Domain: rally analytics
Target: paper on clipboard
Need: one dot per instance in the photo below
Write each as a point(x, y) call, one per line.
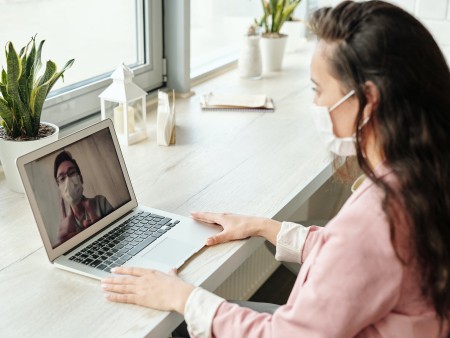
point(237, 102)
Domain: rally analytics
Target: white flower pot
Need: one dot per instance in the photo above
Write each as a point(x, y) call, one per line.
point(272, 52)
point(11, 150)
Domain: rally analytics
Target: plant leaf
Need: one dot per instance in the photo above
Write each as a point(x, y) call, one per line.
point(38, 96)
point(6, 114)
point(18, 108)
point(272, 13)
point(278, 11)
point(36, 65)
point(278, 16)
point(60, 74)
point(27, 124)
point(50, 71)
point(13, 67)
point(3, 85)
point(22, 51)
point(37, 61)
point(42, 91)
point(263, 22)
point(3, 91)
point(287, 12)
point(23, 80)
point(30, 58)
point(4, 77)
point(24, 95)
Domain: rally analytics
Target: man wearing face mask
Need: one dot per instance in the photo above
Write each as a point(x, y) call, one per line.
point(82, 211)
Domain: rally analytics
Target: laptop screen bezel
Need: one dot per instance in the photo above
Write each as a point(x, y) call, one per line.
point(22, 161)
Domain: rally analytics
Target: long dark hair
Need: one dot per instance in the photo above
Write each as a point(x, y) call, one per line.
point(379, 42)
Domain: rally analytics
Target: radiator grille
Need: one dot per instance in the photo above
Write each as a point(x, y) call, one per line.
point(247, 279)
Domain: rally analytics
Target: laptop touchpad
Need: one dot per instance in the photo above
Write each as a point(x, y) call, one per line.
point(170, 252)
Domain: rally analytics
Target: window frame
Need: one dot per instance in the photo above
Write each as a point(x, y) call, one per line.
point(80, 100)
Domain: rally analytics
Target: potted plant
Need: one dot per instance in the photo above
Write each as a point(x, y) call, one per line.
point(273, 43)
point(23, 93)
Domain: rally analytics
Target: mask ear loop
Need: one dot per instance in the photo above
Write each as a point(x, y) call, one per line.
point(360, 127)
point(365, 121)
point(334, 106)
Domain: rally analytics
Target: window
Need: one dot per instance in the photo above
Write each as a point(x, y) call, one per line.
point(216, 31)
point(99, 35)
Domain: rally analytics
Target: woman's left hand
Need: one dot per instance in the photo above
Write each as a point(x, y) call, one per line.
point(150, 288)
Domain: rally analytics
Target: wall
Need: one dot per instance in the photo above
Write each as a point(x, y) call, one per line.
point(435, 15)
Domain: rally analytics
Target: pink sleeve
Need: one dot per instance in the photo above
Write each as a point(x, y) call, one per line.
point(315, 235)
point(350, 280)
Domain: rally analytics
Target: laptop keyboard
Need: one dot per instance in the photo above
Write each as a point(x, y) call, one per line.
point(125, 241)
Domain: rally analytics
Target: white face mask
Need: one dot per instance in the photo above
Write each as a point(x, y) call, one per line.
point(71, 189)
point(341, 146)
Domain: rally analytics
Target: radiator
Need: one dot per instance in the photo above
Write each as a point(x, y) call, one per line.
point(248, 278)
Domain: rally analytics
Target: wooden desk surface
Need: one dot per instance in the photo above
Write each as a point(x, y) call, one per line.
point(253, 163)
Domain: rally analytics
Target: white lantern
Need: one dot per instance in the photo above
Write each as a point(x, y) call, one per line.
point(124, 103)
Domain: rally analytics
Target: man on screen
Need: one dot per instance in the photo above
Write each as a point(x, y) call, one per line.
point(83, 211)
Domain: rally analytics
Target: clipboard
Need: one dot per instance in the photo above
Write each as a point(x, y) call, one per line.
point(246, 103)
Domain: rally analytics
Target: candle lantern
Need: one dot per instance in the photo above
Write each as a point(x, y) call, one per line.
point(124, 103)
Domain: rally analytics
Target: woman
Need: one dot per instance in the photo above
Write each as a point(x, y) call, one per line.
point(380, 268)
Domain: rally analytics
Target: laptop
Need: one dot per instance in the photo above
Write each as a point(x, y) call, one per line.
point(87, 214)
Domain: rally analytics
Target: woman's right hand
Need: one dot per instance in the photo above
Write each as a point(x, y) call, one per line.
point(238, 226)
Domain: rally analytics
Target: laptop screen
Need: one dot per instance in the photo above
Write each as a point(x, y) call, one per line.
point(77, 185)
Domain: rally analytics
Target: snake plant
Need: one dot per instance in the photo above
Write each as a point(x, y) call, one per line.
point(276, 12)
point(24, 91)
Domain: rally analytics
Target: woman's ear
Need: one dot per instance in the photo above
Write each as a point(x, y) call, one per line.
point(373, 98)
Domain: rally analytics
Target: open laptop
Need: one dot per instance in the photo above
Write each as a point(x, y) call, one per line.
point(87, 213)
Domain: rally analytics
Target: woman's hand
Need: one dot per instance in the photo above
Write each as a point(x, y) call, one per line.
point(238, 226)
point(150, 288)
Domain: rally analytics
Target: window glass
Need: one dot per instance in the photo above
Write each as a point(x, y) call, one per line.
point(217, 28)
point(98, 34)
point(216, 31)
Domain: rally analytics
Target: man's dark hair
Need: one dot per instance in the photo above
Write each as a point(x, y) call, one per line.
point(63, 157)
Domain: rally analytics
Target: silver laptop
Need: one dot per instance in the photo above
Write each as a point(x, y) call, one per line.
point(87, 213)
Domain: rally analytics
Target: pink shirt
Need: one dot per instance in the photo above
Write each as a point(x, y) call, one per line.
point(351, 284)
